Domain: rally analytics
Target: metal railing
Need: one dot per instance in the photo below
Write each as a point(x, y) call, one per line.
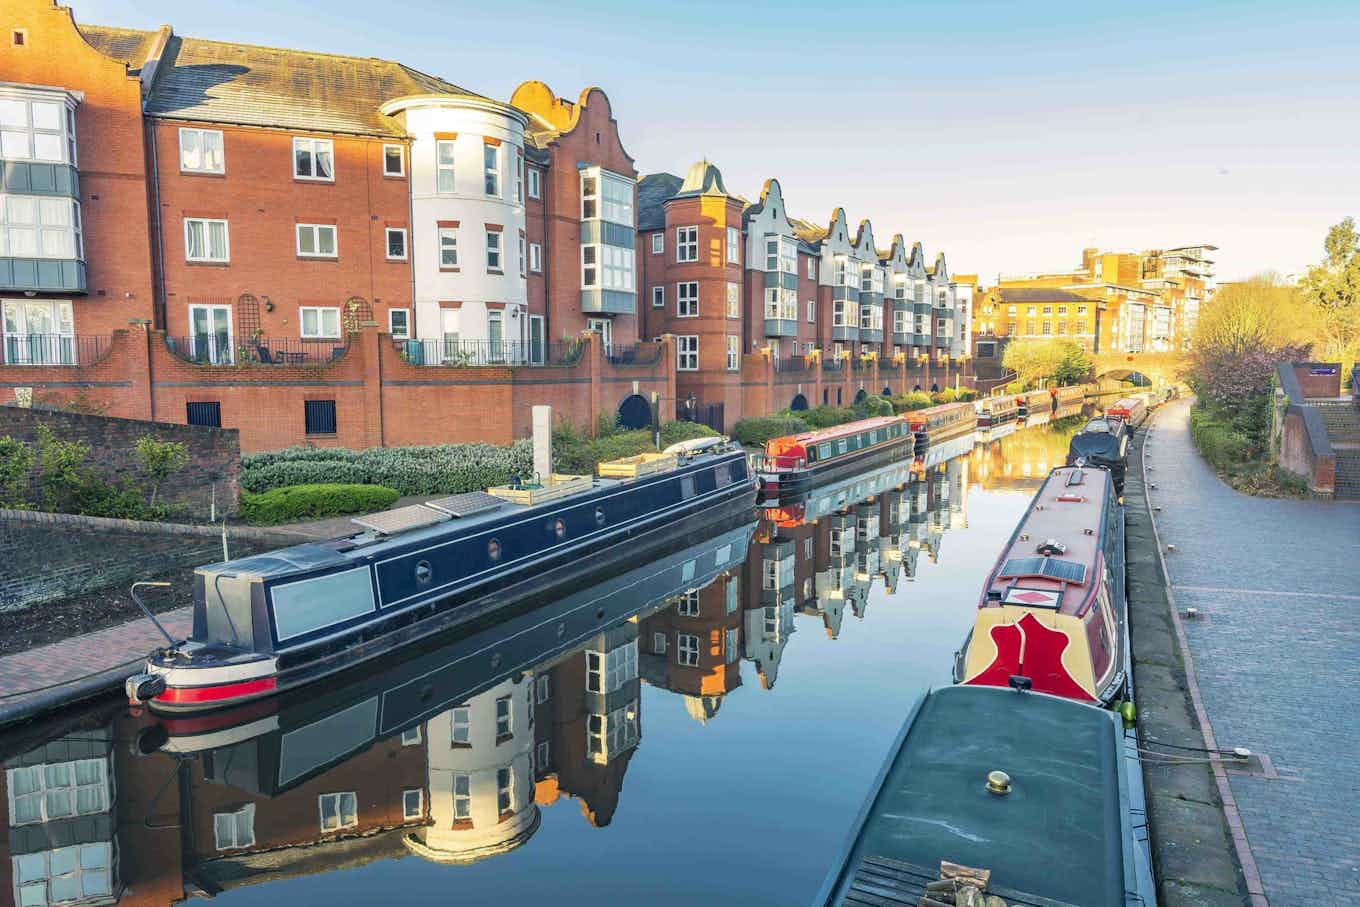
point(227, 350)
point(53, 349)
point(833, 365)
point(860, 364)
point(489, 353)
point(794, 363)
point(634, 354)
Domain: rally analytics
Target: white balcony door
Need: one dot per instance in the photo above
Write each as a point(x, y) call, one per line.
point(39, 332)
point(210, 333)
point(536, 339)
point(605, 327)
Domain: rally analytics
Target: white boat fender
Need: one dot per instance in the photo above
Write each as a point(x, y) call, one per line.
point(696, 445)
point(142, 688)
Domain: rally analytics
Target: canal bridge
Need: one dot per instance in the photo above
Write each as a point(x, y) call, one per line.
point(1157, 368)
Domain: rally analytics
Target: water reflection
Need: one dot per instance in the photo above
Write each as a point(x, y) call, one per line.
point(456, 753)
point(1024, 458)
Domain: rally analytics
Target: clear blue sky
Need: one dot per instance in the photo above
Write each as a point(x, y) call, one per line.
point(1008, 134)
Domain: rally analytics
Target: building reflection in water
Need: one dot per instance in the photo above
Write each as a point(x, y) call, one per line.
point(1024, 458)
point(453, 753)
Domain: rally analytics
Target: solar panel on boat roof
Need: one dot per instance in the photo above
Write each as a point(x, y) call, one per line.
point(1056, 567)
point(461, 505)
point(1023, 566)
point(402, 519)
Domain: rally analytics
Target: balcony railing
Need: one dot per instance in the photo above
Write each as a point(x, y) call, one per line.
point(833, 364)
point(53, 349)
point(489, 353)
point(795, 363)
point(634, 354)
point(860, 364)
point(225, 349)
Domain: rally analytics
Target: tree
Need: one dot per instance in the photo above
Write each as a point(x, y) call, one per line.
point(1075, 366)
point(1333, 288)
point(160, 460)
point(1059, 360)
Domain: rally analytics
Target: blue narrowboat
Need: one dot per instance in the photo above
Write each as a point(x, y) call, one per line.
point(275, 621)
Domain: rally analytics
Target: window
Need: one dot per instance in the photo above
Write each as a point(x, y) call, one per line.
point(590, 195)
point(1048, 328)
point(733, 587)
point(733, 245)
point(658, 297)
point(523, 255)
point(687, 353)
point(399, 323)
point(206, 414)
point(687, 299)
point(687, 605)
point(493, 250)
point(686, 243)
point(338, 811)
point(40, 227)
point(659, 643)
point(1081, 310)
point(730, 648)
point(733, 352)
point(781, 303)
point(733, 300)
point(19, 37)
point(812, 311)
point(504, 706)
point(491, 166)
point(1031, 311)
point(462, 797)
point(812, 269)
point(396, 243)
point(232, 831)
point(1062, 310)
point(317, 321)
point(535, 257)
point(204, 239)
point(519, 176)
point(505, 791)
point(443, 166)
point(412, 804)
point(608, 671)
point(448, 247)
point(460, 723)
point(1048, 309)
point(687, 649)
point(899, 321)
point(313, 159)
point(412, 736)
point(36, 131)
point(319, 416)
point(535, 178)
point(544, 688)
point(394, 160)
point(64, 874)
point(590, 266)
point(316, 240)
point(543, 758)
point(210, 336)
point(608, 735)
point(658, 242)
point(618, 200)
point(40, 793)
point(200, 151)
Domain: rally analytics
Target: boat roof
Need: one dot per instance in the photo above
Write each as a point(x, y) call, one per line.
point(845, 428)
point(1060, 834)
point(1066, 519)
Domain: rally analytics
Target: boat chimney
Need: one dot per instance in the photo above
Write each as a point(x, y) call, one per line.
point(542, 421)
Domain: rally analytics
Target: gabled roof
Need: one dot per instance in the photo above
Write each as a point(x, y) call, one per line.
point(652, 192)
point(807, 231)
point(704, 178)
point(249, 85)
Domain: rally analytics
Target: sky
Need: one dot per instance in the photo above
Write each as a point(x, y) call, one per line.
point(1009, 135)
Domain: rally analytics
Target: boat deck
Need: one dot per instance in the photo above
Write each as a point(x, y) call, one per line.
point(1060, 837)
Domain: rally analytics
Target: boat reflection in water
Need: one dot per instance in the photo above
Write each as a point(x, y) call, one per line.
point(453, 751)
point(1024, 459)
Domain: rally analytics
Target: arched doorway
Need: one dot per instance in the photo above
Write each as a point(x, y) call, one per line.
point(887, 391)
point(799, 403)
point(635, 412)
point(861, 395)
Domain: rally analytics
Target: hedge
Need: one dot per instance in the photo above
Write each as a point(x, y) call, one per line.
point(577, 454)
point(1218, 443)
point(296, 502)
point(440, 469)
point(754, 431)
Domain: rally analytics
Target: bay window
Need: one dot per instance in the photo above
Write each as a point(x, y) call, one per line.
point(608, 671)
point(37, 129)
point(687, 353)
point(781, 303)
point(687, 299)
point(491, 161)
point(40, 227)
point(733, 245)
point(607, 196)
point(686, 244)
point(607, 267)
point(844, 314)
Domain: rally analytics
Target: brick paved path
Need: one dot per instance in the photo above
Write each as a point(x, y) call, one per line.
point(1277, 657)
point(81, 656)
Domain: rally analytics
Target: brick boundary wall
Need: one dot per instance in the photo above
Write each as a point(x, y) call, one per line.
point(51, 556)
point(212, 473)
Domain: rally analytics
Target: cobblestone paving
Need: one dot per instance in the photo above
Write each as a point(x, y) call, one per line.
point(1277, 654)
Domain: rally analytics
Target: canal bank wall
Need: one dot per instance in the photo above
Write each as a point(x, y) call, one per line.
point(1193, 834)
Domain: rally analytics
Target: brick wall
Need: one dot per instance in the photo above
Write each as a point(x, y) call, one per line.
point(51, 556)
point(214, 465)
point(1318, 385)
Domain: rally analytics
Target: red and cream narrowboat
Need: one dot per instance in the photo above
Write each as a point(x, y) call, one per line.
point(935, 424)
point(1131, 410)
point(1053, 613)
point(794, 462)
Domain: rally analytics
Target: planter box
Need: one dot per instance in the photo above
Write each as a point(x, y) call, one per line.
point(640, 465)
point(557, 486)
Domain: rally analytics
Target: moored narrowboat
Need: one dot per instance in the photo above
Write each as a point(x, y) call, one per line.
point(1132, 410)
point(275, 621)
point(940, 423)
point(994, 411)
point(1104, 443)
point(1027, 798)
point(1068, 400)
point(1053, 609)
point(793, 463)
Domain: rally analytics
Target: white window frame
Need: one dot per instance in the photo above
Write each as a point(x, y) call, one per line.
point(733, 353)
point(401, 160)
point(320, 312)
point(206, 222)
point(687, 303)
point(406, 813)
point(505, 724)
point(391, 328)
point(41, 883)
point(687, 650)
point(460, 717)
point(687, 352)
point(523, 254)
point(611, 669)
point(686, 244)
point(462, 801)
point(387, 247)
point(491, 170)
point(733, 246)
point(544, 685)
point(659, 296)
point(448, 167)
point(659, 242)
point(812, 311)
point(733, 299)
point(519, 175)
point(812, 268)
point(536, 257)
point(659, 643)
point(505, 791)
point(315, 147)
point(499, 251)
point(534, 178)
point(201, 134)
point(53, 220)
point(29, 130)
point(315, 229)
point(543, 756)
point(339, 800)
point(731, 645)
point(45, 791)
point(687, 603)
point(442, 234)
point(238, 839)
point(412, 736)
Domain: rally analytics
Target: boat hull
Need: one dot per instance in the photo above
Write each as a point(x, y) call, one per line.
point(783, 484)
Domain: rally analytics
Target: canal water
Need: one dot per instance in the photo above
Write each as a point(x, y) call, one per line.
point(713, 744)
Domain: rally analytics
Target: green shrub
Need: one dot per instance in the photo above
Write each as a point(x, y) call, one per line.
point(913, 400)
point(160, 460)
point(756, 430)
point(576, 454)
point(1221, 446)
point(437, 469)
point(16, 460)
point(296, 502)
point(675, 432)
point(824, 416)
point(873, 406)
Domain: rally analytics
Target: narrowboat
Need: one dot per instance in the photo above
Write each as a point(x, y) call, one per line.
point(940, 423)
point(1104, 443)
point(1131, 410)
point(1053, 611)
point(1068, 400)
point(834, 496)
point(292, 736)
point(275, 621)
point(795, 462)
point(994, 411)
point(1032, 799)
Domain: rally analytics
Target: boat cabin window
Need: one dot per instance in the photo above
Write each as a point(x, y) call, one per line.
point(686, 488)
point(493, 550)
point(723, 474)
point(824, 450)
point(317, 602)
point(843, 446)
